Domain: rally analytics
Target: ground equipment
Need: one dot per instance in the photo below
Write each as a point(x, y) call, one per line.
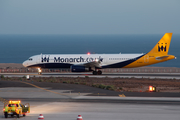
point(16, 108)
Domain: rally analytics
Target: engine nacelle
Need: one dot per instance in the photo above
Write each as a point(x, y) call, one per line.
point(78, 68)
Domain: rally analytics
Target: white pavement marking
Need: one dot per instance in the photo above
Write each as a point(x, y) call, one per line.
point(127, 98)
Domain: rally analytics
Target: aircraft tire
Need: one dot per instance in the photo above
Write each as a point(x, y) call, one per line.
point(17, 115)
point(5, 115)
point(99, 72)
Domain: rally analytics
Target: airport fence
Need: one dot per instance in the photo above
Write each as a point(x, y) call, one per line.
point(117, 70)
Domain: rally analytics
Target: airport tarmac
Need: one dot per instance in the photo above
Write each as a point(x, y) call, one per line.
point(100, 111)
point(55, 102)
point(70, 90)
point(110, 75)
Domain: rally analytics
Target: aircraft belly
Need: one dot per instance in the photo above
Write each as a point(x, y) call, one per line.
point(52, 65)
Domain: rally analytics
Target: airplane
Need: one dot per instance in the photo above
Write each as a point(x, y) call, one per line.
point(96, 62)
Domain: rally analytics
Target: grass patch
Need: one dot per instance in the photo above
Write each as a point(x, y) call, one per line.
point(24, 77)
point(86, 76)
point(40, 80)
point(108, 87)
point(83, 83)
point(52, 81)
point(95, 85)
point(2, 76)
point(102, 86)
point(121, 88)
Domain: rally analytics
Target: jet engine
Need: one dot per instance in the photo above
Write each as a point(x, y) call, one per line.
point(78, 68)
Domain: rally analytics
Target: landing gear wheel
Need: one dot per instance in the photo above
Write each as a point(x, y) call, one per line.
point(5, 115)
point(94, 72)
point(39, 71)
point(99, 72)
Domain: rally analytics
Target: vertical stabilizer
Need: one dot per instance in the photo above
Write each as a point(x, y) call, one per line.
point(162, 47)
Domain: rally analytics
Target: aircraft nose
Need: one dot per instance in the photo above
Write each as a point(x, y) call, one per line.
point(24, 63)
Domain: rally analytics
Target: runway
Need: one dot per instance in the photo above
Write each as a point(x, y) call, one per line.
point(110, 75)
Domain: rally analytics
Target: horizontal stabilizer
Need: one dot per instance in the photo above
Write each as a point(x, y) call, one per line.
point(162, 57)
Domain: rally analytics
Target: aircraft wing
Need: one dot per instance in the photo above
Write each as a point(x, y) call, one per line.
point(92, 64)
point(96, 63)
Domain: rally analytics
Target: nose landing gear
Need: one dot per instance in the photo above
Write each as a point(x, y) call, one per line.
point(39, 71)
point(99, 72)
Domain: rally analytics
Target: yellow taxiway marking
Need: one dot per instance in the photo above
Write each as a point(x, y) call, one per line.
point(44, 89)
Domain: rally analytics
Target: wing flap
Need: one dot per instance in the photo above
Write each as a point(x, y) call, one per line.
point(92, 64)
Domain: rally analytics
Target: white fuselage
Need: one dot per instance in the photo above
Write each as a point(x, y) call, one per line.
point(65, 61)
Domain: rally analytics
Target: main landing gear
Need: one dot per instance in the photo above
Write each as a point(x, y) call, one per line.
point(99, 72)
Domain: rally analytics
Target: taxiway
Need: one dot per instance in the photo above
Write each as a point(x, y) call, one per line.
point(64, 101)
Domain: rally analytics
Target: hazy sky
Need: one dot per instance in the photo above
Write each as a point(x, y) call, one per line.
point(89, 16)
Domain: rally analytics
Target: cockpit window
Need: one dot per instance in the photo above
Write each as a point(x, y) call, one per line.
point(30, 59)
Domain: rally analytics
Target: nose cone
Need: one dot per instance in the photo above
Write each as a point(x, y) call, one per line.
point(25, 64)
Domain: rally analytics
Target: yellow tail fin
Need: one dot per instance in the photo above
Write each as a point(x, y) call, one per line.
point(162, 47)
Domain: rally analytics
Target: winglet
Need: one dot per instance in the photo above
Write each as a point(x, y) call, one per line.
point(162, 47)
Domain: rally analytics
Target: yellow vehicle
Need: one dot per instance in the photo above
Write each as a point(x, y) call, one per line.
point(16, 108)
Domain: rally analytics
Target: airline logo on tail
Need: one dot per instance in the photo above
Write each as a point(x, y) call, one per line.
point(162, 47)
point(158, 54)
